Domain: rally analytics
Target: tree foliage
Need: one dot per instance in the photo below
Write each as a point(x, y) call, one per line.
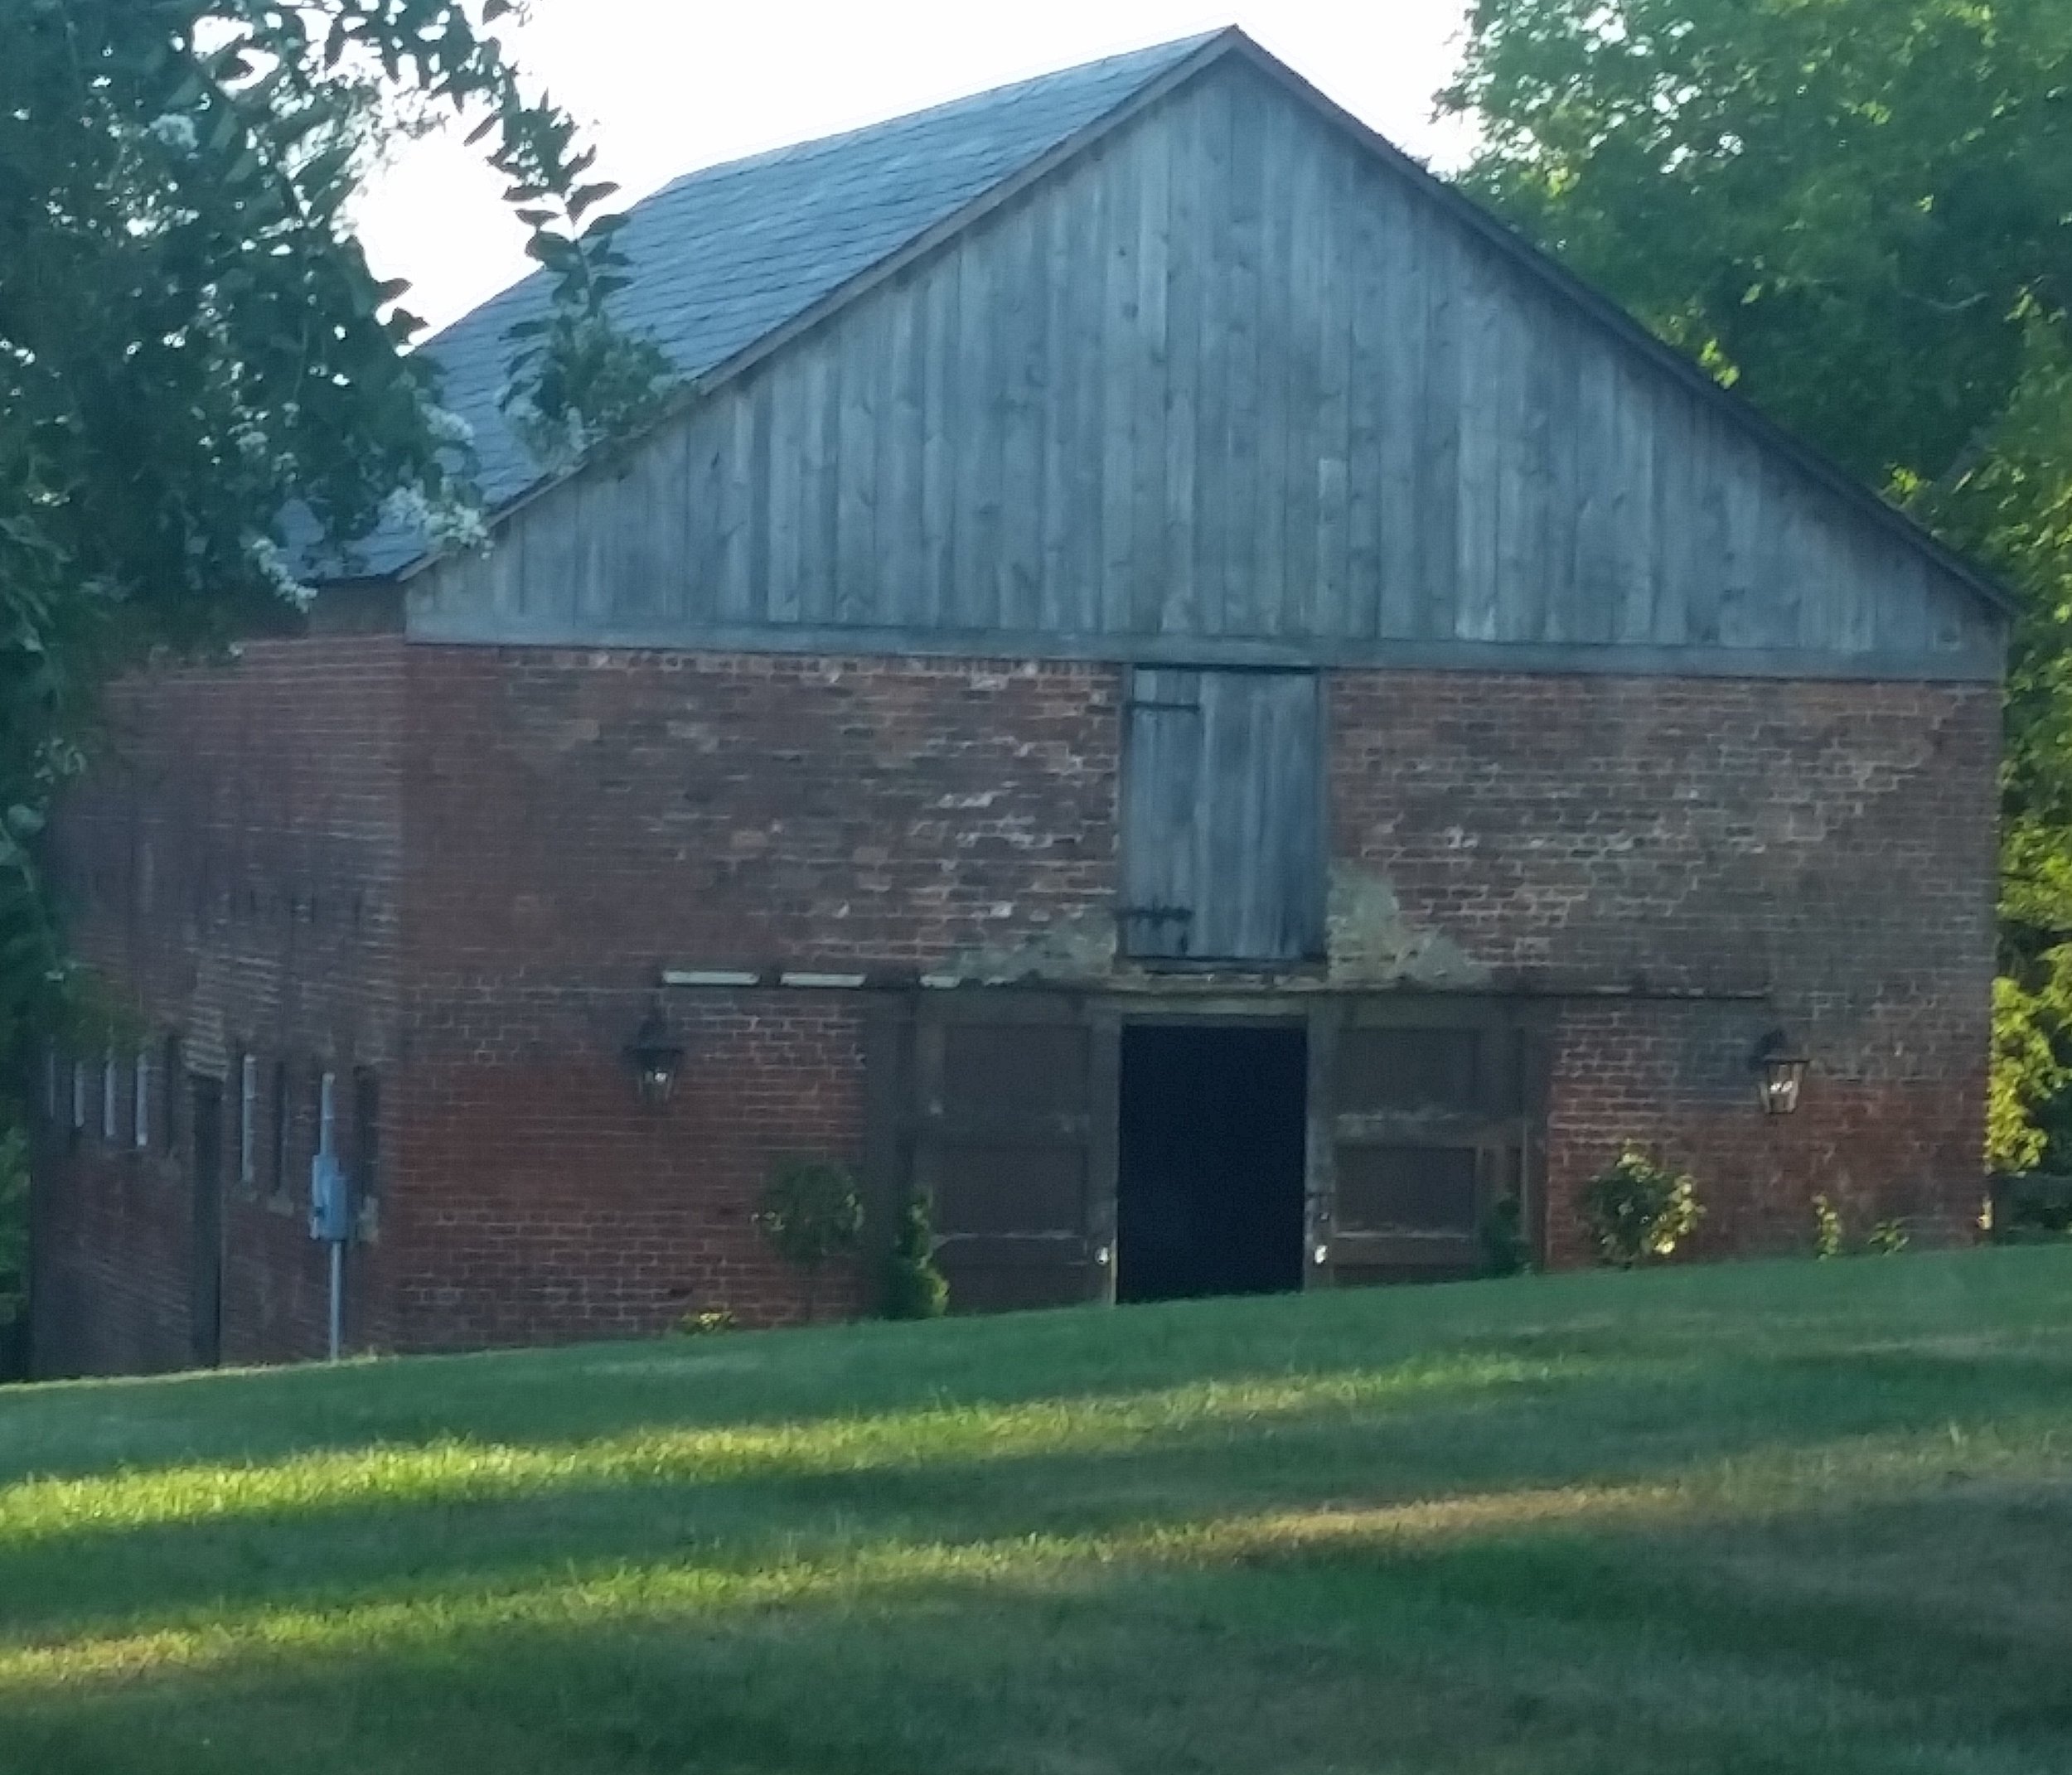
point(1859, 213)
point(193, 354)
point(194, 358)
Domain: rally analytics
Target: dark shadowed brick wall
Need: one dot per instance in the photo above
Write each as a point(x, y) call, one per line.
point(231, 869)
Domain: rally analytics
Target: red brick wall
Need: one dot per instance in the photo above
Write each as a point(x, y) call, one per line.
point(579, 821)
point(1895, 1135)
point(540, 1200)
point(1818, 856)
point(232, 870)
point(465, 866)
point(602, 813)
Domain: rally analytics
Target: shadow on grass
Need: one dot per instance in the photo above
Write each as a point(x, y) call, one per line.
point(1732, 1524)
point(583, 1392)
point(335, 1530)
point(1604, 1631)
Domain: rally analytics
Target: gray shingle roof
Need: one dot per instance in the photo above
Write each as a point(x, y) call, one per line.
point(720, 259)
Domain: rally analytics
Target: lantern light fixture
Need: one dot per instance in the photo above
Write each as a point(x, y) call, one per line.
point(1780, 1065)
point(655, 1057)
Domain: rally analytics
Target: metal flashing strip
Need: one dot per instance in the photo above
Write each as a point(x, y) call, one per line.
point(792, 977)
point(1160, 984)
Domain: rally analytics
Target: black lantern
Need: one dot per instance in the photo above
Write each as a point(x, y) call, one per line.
point(656, 1058)
point(1780, 1073)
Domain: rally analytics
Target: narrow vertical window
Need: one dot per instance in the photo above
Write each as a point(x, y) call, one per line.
point(327, 1113)
point(79, 1096)
point(172, 1092)
point(248, 1125)
point(367, 1130)
point(280, 1127)
point(141, 1098)
point(108, 1096)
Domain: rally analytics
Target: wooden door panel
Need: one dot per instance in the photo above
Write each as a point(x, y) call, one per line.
point(1413, 1190)
point(989, 1191)
point(1161, 795)
point(1409, 1071)
point(1431, 1123)
point(1008, 1150)
point(1259, 827)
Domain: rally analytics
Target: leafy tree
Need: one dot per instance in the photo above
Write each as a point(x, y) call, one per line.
point(193, 354)
point(1858, 212)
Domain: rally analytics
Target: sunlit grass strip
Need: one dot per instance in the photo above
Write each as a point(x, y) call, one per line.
point(653, 1595)
point(872, 1572)
point(458, 1471)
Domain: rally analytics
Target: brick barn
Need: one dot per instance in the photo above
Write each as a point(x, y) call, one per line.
point(1168, 683)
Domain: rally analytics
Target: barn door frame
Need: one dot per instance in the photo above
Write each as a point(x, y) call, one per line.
point(1506, 1126)
point(905, 1037)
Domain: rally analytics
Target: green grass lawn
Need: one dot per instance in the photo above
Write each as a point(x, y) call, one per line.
point(1759, 1517)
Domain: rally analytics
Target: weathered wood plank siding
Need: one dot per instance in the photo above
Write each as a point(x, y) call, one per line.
point(1223, 388)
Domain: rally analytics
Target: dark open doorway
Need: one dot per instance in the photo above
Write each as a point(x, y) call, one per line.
point(1210, 1192)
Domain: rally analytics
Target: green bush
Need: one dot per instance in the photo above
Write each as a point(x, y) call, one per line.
point(915, 1288)
point(811, 1212)
point(2030, 1209)
point(1505, 1250)
point(1888, 1238)
point(1829, 1235)
point(1639, 1209)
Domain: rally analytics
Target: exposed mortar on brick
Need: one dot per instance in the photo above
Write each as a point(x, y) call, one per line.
point(1373, 944)
point(1079, 947)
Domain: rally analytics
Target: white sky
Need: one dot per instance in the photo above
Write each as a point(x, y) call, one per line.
point(667, 85)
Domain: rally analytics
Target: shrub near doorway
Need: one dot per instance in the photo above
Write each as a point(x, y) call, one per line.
point(1639, 1209)
point(915, 1288)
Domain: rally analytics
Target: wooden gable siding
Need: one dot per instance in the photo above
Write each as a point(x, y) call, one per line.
point(1223, 388)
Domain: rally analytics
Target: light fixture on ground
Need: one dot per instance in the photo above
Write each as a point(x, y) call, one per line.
point(655, 1057)
point(1780, 1072)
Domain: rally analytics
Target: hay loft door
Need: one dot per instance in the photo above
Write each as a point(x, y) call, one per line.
point(1015, 1147)
point(1222, 817)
